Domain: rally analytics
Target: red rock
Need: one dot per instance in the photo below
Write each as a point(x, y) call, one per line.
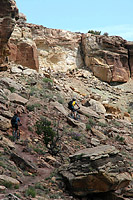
point(24, 53)
point(107, 57)
point(8, 13)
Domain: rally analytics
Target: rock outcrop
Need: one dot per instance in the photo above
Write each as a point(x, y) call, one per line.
point(53, 48)
point(41, 48)
point(96, 170)
point(129, 46)
point(107, 57)
point(8, 14)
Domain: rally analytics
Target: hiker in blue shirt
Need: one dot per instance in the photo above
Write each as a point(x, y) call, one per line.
point(15, 121)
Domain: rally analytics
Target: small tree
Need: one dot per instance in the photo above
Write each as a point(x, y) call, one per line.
point(50, 137)
point(106, 34)
point(94, 32)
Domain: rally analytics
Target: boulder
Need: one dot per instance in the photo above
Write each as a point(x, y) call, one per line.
point(60, 108)
point(5, 123)
point(22, 163)
point(76, 123)
point(88, 111)
point(16, 70)
point(99, 134)
point(5, 142)
point(8, 180)
point(6, 114)
point(29, 72)
point(96, 170)
point(97, 106)
point(2, 188)
point(8, 14)
point(13, 97)
point(9, 83)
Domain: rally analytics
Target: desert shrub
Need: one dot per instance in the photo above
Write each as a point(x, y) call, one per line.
point(30, 129)
point(95, 32)
point(106, 34)
point(102, 124)
point(33, 91)
point(119, 138)
point(12, 89)
point(88, 127)
point(33, 106)
point(30, 192)
point(50, 136)
point(116, 123)
point(91, 122)
point(46, 80)
point(8, 184)
point(76, 136)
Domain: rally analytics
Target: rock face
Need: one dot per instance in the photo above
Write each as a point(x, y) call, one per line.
point(41, 48)
point(129, 46)
point(24, 52)
point(55, 49)
point(8, 13)
point(4, 123)
point(96, 170)
point(107, 57)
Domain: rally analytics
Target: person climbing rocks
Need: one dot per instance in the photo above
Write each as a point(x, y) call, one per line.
point(71, 106)
point(15, 121)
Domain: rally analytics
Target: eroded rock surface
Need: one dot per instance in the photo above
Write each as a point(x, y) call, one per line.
point(96, 170)
point(8, 13)
point(107, 57)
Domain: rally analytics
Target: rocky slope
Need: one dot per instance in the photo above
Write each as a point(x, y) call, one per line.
point(58, 157)
point(29, 169)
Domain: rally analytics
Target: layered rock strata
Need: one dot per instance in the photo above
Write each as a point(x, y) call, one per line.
point(96, 170)
point(52, 48)
point(107, 57)
point(8, 14)
point(110, 58)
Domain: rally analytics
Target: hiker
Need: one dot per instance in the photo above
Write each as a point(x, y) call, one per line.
point(15, 121)
point(71, 105)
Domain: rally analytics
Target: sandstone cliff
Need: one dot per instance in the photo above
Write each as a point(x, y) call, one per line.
point(40, 48)
point(110, 58)
point(8, 13)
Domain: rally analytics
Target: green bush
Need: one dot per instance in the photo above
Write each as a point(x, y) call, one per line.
point(88, 127)
point(30, 107)
point(50, 137)
point(91, 122)
point(94, 32)
point(46, 80)
point(119, 138)
point(30, 192)
point(33, 106)
point(30, 129)
point(12, 89)
point(106, 34)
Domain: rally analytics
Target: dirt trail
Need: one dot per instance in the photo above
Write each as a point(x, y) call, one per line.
point(42, 173)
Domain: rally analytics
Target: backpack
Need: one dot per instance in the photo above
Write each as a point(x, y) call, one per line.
point(70, 104)
point(13, 120)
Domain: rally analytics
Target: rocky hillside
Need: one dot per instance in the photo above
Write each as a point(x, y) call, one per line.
point(56, 156)
point(89, 153)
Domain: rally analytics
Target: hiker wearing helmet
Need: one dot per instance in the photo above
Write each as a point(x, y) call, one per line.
point(71, 106)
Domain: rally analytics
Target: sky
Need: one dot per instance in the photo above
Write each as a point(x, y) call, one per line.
point(112, 16)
